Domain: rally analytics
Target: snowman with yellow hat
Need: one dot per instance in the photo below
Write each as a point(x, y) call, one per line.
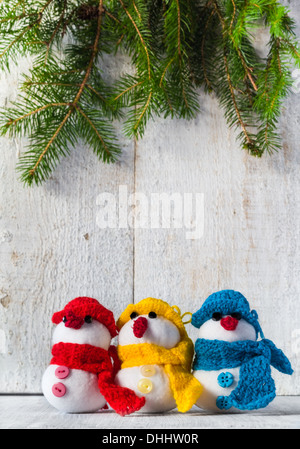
point(156, 356)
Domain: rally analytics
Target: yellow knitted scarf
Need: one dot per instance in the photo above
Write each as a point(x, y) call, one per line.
point(177, 361)
point(177, 364)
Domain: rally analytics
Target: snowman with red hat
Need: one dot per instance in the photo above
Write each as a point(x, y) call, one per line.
point(80, 377)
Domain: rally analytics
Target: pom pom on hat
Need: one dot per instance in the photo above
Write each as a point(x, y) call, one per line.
point(226, 302)
point(83, 306)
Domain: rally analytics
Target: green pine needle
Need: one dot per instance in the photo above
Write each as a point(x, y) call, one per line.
point(175, 46)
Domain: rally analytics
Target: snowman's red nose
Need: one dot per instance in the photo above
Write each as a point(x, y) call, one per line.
point(229, 323)
point(73, 321)
point(140, 326)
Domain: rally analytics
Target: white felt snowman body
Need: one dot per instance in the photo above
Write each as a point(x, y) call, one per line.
point(149, 381)
point(74, 390)
point(220, 383)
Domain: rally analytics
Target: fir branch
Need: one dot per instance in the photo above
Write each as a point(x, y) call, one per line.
point(165, 71)
point(179, 29)
point(13, 122)
point(127, 90)
point(177, 77)
point(237, 46)
point(42, 155)
point(56, 30)
point(143, 112)
point(136, 10)
point(203, 40)
point(108, 154)
point(39, 14)
point(233, 106)
point(249, 142)
point(139, 35)
point(175, 46)
point(62, 92)
point(78, 95)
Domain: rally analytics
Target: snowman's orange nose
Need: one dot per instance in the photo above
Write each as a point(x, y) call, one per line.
point(229, 323)
point(140, 326)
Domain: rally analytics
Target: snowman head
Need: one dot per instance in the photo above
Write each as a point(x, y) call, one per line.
point(84, 321)
point(150, 328)
point(227, 328)
point(226, 316)
point(151, 321)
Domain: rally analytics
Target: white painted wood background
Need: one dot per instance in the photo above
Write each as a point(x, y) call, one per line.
point(53, 250)
point(34, 412)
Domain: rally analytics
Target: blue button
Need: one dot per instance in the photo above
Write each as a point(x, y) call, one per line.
point(223, 402)
point(225, 380)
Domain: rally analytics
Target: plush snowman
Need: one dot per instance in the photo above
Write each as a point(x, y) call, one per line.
point(80, 377)
point(156, 356)
point(230, 362)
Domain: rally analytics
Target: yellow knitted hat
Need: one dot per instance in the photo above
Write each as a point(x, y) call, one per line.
point(158, 306)
point(177, 361)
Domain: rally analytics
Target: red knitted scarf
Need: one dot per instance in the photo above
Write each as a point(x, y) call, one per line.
point(99, 361)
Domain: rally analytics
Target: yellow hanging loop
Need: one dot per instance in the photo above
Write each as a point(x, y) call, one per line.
point(176, 308)
point(190, 320)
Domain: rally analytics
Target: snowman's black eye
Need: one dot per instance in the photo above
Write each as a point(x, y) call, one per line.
point(217, 316)
point(236, 315)
point(152, 315)
point(64, 319)
point(88, 319)
point(133, 315)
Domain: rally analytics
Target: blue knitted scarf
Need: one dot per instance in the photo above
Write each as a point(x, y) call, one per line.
point(256, 388)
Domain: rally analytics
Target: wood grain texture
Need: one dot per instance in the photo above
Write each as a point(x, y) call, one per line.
point(251, 226)
point(52, 249)
point(33, 412)
point(246, 223)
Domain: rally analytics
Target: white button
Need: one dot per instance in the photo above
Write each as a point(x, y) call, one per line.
point(145, 386)
point(147, 370)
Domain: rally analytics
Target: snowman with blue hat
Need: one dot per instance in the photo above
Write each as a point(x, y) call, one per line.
point(231, 362)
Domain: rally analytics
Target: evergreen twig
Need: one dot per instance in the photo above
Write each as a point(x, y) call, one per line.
point(176, 46)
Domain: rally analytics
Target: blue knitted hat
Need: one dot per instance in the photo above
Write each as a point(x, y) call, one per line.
point(226, 302)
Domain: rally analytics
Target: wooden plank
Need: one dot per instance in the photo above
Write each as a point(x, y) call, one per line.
point(251, 235)
point(53, 250)
point(33, 412)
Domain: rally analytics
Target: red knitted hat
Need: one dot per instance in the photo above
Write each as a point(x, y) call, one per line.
point(84, 306)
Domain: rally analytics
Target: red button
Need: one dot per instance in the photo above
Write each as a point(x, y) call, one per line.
point(59, 390)
point(62, 372)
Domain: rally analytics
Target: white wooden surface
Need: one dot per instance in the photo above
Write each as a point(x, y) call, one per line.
point(53, 250)
point(33, 412)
